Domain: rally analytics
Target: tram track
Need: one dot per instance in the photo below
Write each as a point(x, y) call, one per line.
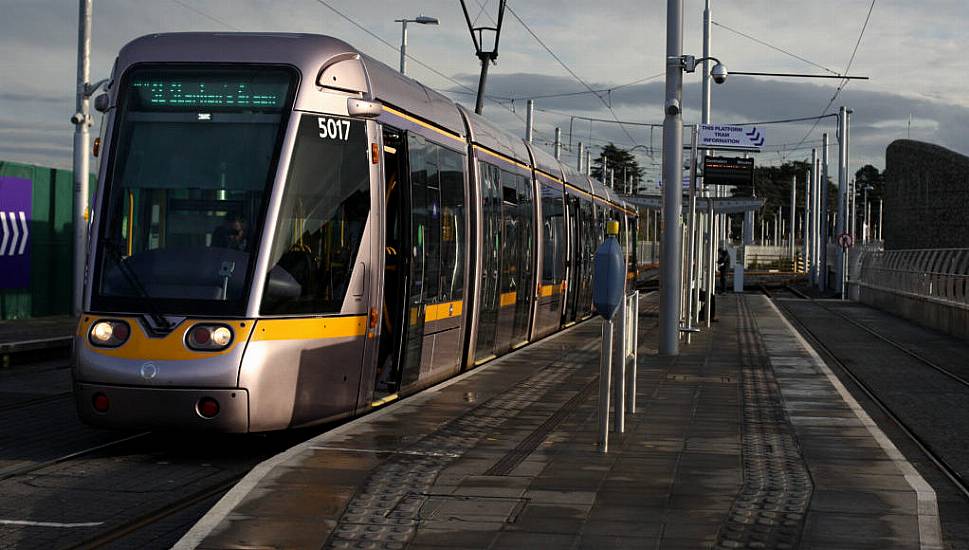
point(143, 521)
point(833, 358)
point(29, 402)
point(36, 466)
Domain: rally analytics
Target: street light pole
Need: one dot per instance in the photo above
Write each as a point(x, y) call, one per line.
point(671, 264)
point(421, 19)
point(403, 46)
point(82, 126)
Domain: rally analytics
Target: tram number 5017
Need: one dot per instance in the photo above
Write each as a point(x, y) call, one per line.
point(332, 128)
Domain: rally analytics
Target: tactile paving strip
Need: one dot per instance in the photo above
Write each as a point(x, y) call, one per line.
point(769, 512)
point(386, 510)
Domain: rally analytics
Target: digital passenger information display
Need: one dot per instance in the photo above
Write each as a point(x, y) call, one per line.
point(160, 89)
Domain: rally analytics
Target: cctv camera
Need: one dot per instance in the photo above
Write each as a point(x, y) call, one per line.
point(77, 118)
point(673, 107)
point(719, 73)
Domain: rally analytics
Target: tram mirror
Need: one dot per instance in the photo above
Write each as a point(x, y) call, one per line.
point(364, 108)
point(102, 102)
point(281, 286)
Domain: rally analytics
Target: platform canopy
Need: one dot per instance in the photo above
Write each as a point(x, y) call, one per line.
point(721, 205)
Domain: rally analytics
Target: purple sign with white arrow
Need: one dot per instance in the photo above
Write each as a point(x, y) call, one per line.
point(15, 203)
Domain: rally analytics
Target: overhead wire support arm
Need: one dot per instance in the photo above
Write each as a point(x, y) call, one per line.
point(800, 75)
point(485, 56)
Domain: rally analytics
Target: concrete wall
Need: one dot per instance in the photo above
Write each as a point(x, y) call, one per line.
point(950, 319)
point(926, 197)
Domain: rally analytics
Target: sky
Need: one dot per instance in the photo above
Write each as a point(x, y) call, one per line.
point(912, 50)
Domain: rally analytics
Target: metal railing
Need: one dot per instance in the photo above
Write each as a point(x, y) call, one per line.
point(939, 275)
point(617, 368)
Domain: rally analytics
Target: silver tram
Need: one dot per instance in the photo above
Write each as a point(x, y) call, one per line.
point(287, 231)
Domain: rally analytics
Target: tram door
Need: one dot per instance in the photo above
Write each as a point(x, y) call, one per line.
point(490, 249)
point(575, 259)
point(393, 351)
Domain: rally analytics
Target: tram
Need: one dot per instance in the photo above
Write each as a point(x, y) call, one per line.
point(287, 231)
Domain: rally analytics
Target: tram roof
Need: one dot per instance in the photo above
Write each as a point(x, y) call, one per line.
point(486, 134)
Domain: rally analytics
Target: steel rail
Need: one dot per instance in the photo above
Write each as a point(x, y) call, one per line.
point(954, 476)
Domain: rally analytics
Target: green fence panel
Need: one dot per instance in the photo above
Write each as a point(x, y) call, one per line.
point(51, 244)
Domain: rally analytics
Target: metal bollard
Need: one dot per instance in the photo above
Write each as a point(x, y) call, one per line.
point(633, 353)
point(605, 365)
point(619, 371)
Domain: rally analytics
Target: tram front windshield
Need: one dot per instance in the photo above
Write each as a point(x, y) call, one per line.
point(194, 158)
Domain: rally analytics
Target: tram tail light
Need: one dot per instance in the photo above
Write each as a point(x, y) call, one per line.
point(100, 402)
point(109, 333)
point(209, 337)
point(207, 407)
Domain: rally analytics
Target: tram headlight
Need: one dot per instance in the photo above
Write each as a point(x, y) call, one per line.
point(109, 333)
point(209, 337)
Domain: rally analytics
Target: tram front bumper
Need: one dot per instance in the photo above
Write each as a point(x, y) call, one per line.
point(130, 407)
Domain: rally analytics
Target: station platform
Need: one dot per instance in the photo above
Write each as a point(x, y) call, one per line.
point(744, 440)
point(37, 334)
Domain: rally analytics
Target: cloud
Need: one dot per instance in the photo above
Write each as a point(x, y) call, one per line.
point(912, 53)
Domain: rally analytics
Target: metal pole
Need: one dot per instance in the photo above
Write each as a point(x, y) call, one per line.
point(403, 46)
point(793, 217)
point(579, 158)
point(482, 81)
point(671, 265)
point(82, 124)
point(691, 246)
point(588, 164)
point(634, 353)
point(813, 220)
point(823, 214)
point(605, 368)
point(816, 237)
point(558, 143)
point(842, 194)
point(711, 261)
point(530, 120)
point(880, 212)
point(619, 369)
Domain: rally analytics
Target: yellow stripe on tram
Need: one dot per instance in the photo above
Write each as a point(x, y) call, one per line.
point(508, 298)
point(310, 328)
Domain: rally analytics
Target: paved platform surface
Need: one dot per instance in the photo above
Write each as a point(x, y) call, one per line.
point(745, 440)
point(38, 333)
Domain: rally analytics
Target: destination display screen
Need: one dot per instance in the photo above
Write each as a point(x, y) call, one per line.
point(736, 171)
point(263, 90)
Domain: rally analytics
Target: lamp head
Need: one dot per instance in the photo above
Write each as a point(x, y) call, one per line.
point(426, 20)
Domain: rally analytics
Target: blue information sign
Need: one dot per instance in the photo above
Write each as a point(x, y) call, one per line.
point(15, 203)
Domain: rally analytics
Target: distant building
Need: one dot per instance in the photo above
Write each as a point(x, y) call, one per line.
point(926, 197)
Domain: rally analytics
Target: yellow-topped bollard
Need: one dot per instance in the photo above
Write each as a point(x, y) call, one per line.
point(612, 227)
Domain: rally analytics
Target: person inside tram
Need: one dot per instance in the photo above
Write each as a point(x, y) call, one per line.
point(231, 234)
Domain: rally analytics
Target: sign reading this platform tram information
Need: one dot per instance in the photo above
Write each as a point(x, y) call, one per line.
point(739, 138)
point(728, 171)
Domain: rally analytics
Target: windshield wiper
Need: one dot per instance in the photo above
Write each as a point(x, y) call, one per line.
point(129, 274)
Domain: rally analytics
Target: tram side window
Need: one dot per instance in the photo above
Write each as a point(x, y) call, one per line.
point(437, 211)
point(324, 208)
point(452, 225)
point(553, 231)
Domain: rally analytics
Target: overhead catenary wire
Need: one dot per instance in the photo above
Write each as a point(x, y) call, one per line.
point(851, 60)
point(395, 48)
point(776, 48)
point(206, 15)
point(568, 69)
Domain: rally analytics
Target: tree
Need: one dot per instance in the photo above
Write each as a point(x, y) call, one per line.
point(621, 162)
point(869, 176)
